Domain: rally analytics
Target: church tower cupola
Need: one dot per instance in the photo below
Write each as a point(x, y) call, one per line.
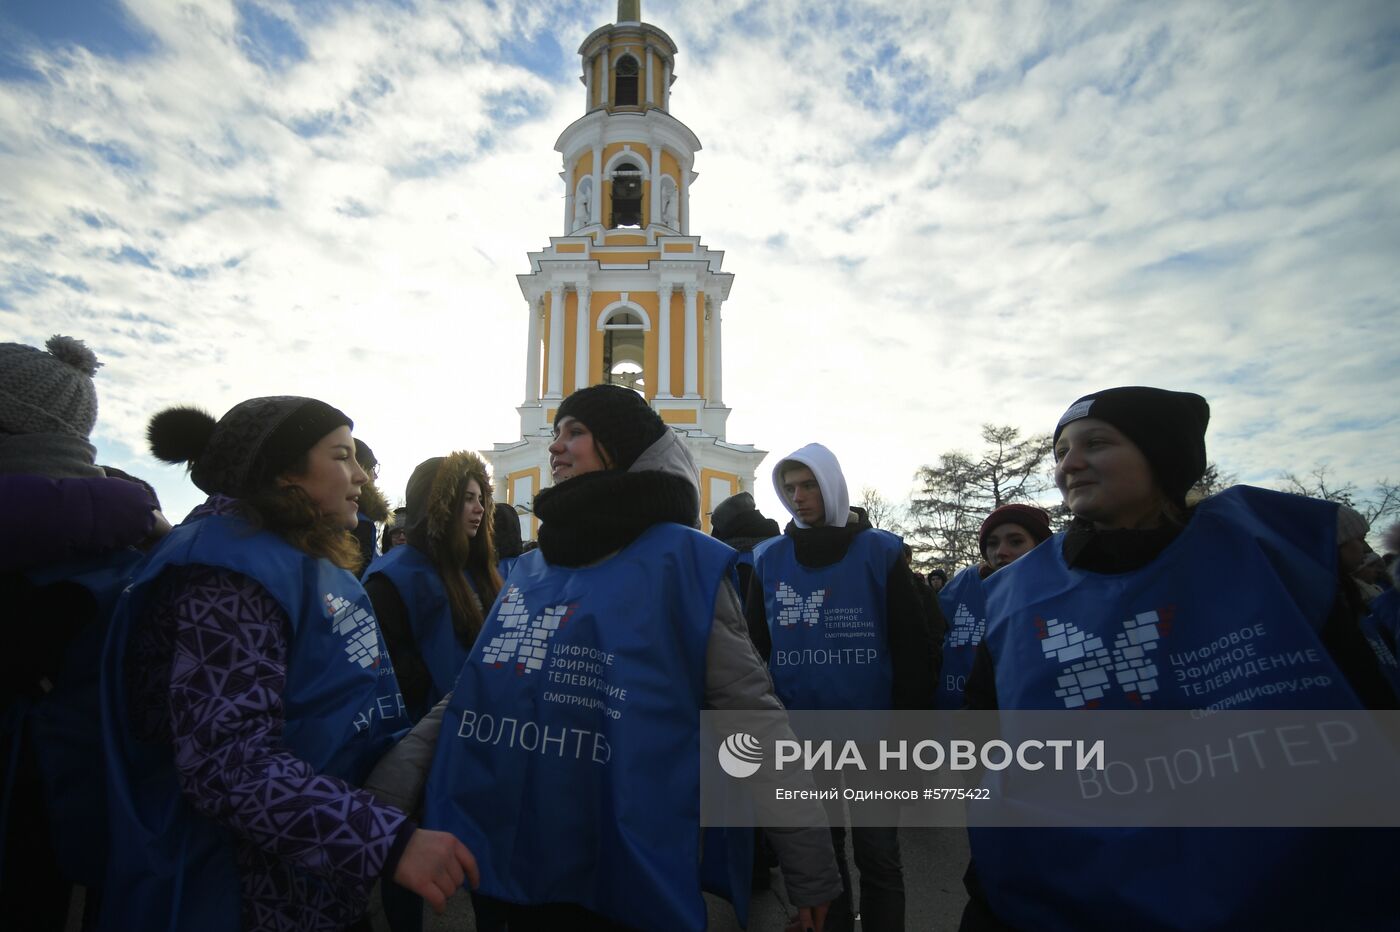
point(625, 293)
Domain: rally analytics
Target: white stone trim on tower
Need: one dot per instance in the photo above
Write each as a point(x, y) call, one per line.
point(568, 175)
point(556, 342)
point(714, 383)
point(683, 195)
point(585, 296)
point(692, 343)
point(651, 94)
point(655, 183)
point(532, 357)
point(631, 307)
point(627, 152)
point(596, 208)
point(663, 340)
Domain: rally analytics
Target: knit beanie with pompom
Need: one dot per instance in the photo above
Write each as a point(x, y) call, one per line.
point(246, 449)
point(48, 391)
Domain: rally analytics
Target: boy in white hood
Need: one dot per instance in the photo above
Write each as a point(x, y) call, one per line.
point(830, 561)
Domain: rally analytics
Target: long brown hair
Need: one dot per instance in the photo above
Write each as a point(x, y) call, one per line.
point(449, 549)
point(288, 511)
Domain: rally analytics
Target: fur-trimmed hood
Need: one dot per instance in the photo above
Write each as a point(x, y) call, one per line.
point(434, 493)
point(373, 504)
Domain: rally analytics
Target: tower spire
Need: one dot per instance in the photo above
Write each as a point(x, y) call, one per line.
point(629, 11)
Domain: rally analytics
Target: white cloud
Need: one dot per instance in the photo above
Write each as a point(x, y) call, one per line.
point(938, 215)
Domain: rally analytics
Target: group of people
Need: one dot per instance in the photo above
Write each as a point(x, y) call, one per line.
point(250, 720)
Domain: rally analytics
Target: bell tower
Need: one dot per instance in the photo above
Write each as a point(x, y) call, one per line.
point(626, 294)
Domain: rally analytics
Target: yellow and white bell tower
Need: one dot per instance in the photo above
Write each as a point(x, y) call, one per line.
point(626, 294)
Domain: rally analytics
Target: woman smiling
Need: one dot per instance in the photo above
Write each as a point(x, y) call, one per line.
point(248, 691)
point(1137, 578)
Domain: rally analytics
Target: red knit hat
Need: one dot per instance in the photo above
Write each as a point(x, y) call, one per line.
point(1035, 520)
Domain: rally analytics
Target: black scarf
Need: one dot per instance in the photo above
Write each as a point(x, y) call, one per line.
point(822, 546)
point(1121, 550)
point(590, 516)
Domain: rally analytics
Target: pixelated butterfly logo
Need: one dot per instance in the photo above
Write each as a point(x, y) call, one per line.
point(524, 638)
point(967, 628)
point(740, 755)
point(793, 608)
point(1090, 669)
point(357, 626)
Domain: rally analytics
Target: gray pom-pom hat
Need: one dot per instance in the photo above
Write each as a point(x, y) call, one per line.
point(48, 391)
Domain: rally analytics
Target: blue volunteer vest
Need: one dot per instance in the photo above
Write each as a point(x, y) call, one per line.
point(1060, 638)
point(569, 755)
point(504, 565)
point(1385, 613)
point(64, 724)
point(828, 624)
point(429, 616)
point(342, 711)
point(962, 604)
point(1378, 625)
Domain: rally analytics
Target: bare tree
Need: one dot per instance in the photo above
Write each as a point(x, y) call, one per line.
point(1211, 482)
point(1380, 504)
point(882, 512)
point(954, 496)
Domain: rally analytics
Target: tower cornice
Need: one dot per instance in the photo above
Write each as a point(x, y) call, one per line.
point(601, 128)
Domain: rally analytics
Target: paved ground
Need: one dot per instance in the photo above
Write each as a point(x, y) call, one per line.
point(934, 861)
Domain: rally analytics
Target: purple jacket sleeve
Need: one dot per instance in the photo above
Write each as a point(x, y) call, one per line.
point(58, 519)
point(227, 674)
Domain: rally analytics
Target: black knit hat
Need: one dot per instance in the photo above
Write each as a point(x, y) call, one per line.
point(620, 420)
point(247, 448)
point(1168, 427)
point(506, 525)
point(737, 517)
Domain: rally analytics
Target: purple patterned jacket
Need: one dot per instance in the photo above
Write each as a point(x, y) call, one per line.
point(206, 671)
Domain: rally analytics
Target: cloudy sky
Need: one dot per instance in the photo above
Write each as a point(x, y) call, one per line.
point(938, 214)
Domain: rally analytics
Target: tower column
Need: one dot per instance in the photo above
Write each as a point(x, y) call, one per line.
point(588, 68)
point(683, 194)
point(651, 94)
point(585, 296)
point(655, 180)
point(568, 200)
point(596, 208)
point(692, 344)
point(666, 86)
point(663, 340)
point(532, 355)
point(556, 342)
point(606, 59)
point(714, 382)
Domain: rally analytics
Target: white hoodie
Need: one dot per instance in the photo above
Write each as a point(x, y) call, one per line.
point(830, 480)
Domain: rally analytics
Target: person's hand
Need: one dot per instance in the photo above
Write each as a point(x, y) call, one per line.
point(159, 528)
point(809, 919)
point(433, 865)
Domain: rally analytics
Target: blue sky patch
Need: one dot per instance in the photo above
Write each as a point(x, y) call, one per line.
point(130, 254)
point(539, 54)
point(100, 26)
point(268, 40)
point(110, 151)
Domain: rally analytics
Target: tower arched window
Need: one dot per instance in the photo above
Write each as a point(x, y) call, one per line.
point(626, 195)
point(625, 81)
point(624, 351)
